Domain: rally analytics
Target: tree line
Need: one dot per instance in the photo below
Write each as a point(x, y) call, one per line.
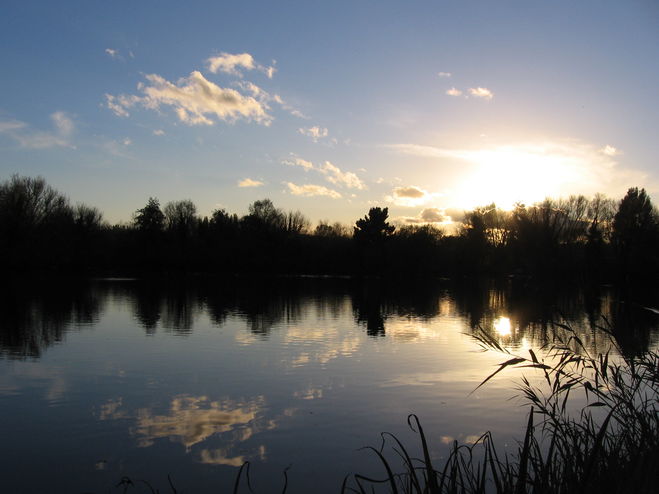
point(41, 230)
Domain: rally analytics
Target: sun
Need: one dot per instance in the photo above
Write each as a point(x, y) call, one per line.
point(511, 174)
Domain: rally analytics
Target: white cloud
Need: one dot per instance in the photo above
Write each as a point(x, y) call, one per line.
point(316, 133)
point(444, 74)
point(307, 165)
point(609, 150)
point(229, 64)
point(195, 101)
point(63, 128)
point(338, 177)
point(312, 191)
point(332, 173)
point(62, 122)
point(127, 141)
point(454, 92)
point(120, 104)
point(248, 182)
point(481, 92)
point(232, 63)
point(158, 132)
point(112, 53)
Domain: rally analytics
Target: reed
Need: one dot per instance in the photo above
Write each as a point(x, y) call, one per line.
point(610, 445)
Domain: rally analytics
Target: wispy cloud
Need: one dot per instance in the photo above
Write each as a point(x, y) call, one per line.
point(331, 172)
point(316, 133)
point(233, 63)
point(112, 53)
point(336, 176)
point(195, 100)
point(609, 150)
point(454, 92)
point(158, 132)
point(307, 165)
point(63, 128)
point(481, 92)
point(312, 191)
point(248, 182)
point(444, 75)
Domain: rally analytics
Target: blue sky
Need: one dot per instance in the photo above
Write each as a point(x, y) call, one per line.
point(330, 107)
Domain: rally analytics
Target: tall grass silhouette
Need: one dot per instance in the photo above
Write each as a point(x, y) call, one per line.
point(610, 445)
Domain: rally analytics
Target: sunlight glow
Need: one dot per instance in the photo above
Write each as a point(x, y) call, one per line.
point(502, 326)
point(511, 174)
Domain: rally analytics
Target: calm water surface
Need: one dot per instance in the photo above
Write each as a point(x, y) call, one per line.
point(110, 378)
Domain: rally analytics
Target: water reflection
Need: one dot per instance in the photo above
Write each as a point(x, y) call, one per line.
point(36, 316)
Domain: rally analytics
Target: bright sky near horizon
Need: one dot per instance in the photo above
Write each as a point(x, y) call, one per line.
point(333, 107)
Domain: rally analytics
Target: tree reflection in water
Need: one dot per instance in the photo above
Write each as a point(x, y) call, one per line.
point(36, 315)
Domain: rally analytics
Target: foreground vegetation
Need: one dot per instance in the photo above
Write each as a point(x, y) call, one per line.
point(612, 445)
point(40, 230)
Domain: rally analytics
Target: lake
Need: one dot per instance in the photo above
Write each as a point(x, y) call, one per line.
point(107, 378)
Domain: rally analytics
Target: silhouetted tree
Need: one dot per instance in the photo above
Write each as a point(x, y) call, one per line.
point(297, 223)
point(36, 223)
point(374, 227)
point(324, 229)
point(150, 218)
point(180, 217)
point(636, 232)
point(264, 217)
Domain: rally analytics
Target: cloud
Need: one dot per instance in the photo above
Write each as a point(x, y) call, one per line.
point(158, 132)
point(232, 63)
point(427, 216)
point(248, 182)
point(112, 53)
point(454, 92)
point(63, 128)
point(195, 100)
point(338, 177)
point(444, 74)
point(455, 215)
point(331, 172)
point(192, 420)
point(609, 150)
point(292, 110)
point(307, 165)
point(312, 191)
point(481, 92)
point(316, 133)
point(433, 215)
point(411, 192)
point(410, 196)
point(120, 104)
point(11, 125)
point(229, 64)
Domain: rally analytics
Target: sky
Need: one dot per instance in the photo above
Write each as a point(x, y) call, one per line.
point(331, 108)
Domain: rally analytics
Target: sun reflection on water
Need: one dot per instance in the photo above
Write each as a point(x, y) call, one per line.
point(502, 326)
